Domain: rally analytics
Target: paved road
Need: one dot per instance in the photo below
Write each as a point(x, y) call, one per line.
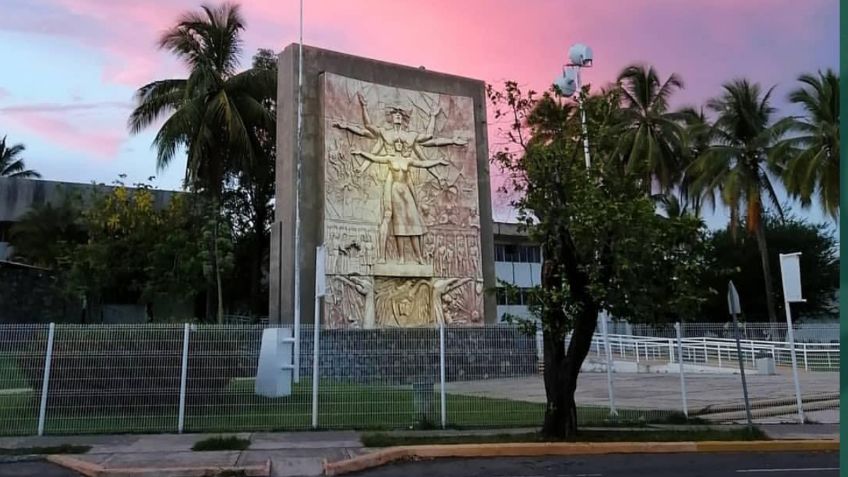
point(655, 465)
point(32, 469)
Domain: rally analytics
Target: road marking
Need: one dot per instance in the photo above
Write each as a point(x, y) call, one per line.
point(558, 475)
point(808, 469)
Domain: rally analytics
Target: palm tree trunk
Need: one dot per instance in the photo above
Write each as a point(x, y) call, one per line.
point(760, 234)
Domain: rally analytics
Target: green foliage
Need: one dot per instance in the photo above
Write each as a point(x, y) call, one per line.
point(46, 233)
point(215, 113)
point(739, 260)
point(599, 230)
point(811, 161)
point(651, 135)
point(11, 165)
point(120, 248)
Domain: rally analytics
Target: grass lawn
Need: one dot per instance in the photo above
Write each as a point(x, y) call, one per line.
point(387, 440)
point(341, 406)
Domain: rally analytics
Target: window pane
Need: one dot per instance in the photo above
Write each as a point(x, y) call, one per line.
point(510, 253)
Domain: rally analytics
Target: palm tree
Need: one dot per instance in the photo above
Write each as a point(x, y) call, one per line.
point(813, 163)
point(649, 143)
point(695, 140)
point(13, 166)
point(736, 166)
point(215, 113)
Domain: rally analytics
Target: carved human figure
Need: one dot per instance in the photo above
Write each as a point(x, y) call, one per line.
point(441, 287)
point(364, 287)
point(398, 130)
point(398, 200)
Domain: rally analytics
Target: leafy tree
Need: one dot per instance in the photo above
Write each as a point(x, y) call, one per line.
point(651, 134)
point(813, 165)
point(215, 113)
point(44, 234)
point(738, 260)
point(11, 165)
point(736, 166)
point(605, 248)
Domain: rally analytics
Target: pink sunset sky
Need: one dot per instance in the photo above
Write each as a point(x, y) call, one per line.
point(70, 67)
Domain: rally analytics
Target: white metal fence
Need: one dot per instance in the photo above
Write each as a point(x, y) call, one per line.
point(62, 379)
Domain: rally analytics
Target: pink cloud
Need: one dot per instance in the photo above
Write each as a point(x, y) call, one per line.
point(103, 142)
point(4, 93)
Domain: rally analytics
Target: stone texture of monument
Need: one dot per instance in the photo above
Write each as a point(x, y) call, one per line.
point(394, 183)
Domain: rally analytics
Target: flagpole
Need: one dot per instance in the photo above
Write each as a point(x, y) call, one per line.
point(297, 198)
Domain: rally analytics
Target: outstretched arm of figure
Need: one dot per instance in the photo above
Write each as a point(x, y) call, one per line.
point(426, 164)
point(444, 141)
point(362, 285)
point(371, 157)
point(366, 118)
point(454, 283)
point(352, 283)
point(354, 129)
point(431, 126)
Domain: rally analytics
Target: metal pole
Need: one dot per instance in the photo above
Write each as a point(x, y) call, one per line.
point(297, 200)
point(316, 331)
point(790, 334)
point(583, 122)
point(677, 327)
point(613, 411)
point(742, 371)
point(183, 379)
point(42, 412)
point(442, 373)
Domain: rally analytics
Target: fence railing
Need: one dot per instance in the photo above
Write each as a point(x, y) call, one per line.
point(720, 352)
point(63, 379)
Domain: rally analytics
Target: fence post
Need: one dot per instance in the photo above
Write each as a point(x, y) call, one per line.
point(42, 411)
point(706, 352)
point(718, 351)
point(806, 363)
point(540, 349)
point(183, 379)
point(753, 355)
point(442, 374)
point(671, 352)
point(678, 327)
point(315, 357)
point(613, 411)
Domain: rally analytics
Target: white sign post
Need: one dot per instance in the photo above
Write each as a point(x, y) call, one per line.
point(735, 309)
point(790, 272)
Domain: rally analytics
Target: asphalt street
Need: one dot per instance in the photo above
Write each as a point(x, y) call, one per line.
point(34, 469)
point(653, 465)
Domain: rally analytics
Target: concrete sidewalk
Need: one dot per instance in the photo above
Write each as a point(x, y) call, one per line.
point(290, 454)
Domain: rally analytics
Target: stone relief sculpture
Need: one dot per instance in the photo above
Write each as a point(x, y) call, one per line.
point(441, 287)
point(399, 207)
point(365, 288)
point(401, 220)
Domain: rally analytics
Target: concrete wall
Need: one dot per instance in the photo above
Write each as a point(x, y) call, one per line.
point(283, 253)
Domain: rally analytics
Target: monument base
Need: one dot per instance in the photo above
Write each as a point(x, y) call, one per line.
point(411, 270)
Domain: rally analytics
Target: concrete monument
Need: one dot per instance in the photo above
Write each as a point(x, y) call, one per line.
point(394, 184)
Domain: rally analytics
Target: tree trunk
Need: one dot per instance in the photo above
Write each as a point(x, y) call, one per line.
point(258, 300)
point(561, 370)
point(562, 366)
point(760, 234)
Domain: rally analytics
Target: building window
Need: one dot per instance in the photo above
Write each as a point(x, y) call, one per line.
point(518, 253)
point(519, 296)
